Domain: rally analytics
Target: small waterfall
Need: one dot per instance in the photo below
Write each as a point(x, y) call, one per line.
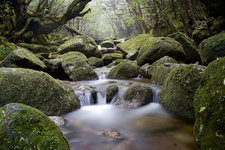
point(101, 97)
point(86, 98)
point(156, 93)
point(102, 73)
point(99, 47)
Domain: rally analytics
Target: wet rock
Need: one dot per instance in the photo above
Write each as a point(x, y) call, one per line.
point(157, 47)
point(95, 62)
point(111, 91)
point(83, 44)
point(144, 70)
point(36, 89)
point(59, 121)
point(22, 58)
point(25, 127)
point(212, 48)
point(178, 91)
point(107, 59)
point(124, 70)
point(5, 50)
point(107, 44)
point(35, 48)
point(111, 133)
point(115, 56)
point(209, 107)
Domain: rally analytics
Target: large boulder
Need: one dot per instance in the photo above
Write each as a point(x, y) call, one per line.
point(133, 44)
point(82, 44)
point(159, 70)
point(107, 44)
point(178, 91)
point(5, 50)
point(24, 127)
point(76, 67)
point(22, 58)
point(35, 48)
point(212, 48)
point(157, 47)
point(190, 49)
point(124, 70)
point(36, 89)
point(209, 107)
point(95, 62)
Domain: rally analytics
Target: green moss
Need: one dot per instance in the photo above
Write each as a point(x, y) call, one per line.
point(96, 62)
point(107, 59)
point(115, 56)
point(212, 48)
point(210, 121)
point(37, 89)
point(5, 50)
point(35, 48)
point(157, 47)
point(24, 127)
point(107, 44)
point(178, 91)
point(111, 92)
point(133, 44)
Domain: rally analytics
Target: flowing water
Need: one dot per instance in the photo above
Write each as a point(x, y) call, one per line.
point(101, 126)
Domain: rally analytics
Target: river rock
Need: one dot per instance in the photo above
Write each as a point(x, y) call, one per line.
point(83, 44)
point(178, 91)
point(24, 127)
point(190, 49)
point(107, 44)
point(133, 44)
point(116, 62)
point(132, 55)
point(116, 55)
point(111, 91)
point(155, 48)
point(144, 70)
point(209, 107)
point(22, 58)
point(212, 48)
point(124, 70)
point(35, 48)
point(36, 89)
point(59, 121)
point(95, 62)
point(5, 50)
point(200, 34)
point(107, 59)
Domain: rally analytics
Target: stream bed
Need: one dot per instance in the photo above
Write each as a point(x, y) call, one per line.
point(101, 126)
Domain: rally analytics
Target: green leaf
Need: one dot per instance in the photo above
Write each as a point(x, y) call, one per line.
point(202, 109)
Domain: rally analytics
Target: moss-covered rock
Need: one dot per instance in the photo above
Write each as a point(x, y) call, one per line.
point(107, 44)
point(177, 94)
point(107, 59)
point(76, 67)
point(132, 55)
point(144, 70)
point(5, 50)
point(116, 62)
point(111, 92)
point(36, 89)
point(190, 49)
point(157, 47)
point(209, 107)
point(95, 62)
point(124, 70)
point(159, 70)
point(81, 44)
point(115, 56)
point(212, 48)
point(200, 34)
point(137, 96)
point(35, 48)
point(116, 42)
point(24, 59)
point(218, 25)
point(133, 44)
point(24, 127)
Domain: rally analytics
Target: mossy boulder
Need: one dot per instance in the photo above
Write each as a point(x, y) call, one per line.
point(76, 67)
point(132, 55)
point(115, 56)
point(35, 48)
point(124, 70)
point(212, 48)
point(36, 89)
point(200, 34)
point(116, 42)
point(95, 62)
point(133, 44)
point(107, 59)
point(144, 70)
point(22, 58)
point(24, 127)
point(116, 62)
point(178, 91)
point(155, 48)
point(209, 107)
point(111, 91)
point(159, 70)
point(82, 44)
point(107, 44)
point(5, 50)
point(190, 49)
point(136, 96)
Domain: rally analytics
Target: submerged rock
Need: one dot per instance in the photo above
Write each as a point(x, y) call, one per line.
point(157, 47)
point(36, 89)
point(22, 58)
point(124, 70)
point(178, 91)
point(59, 121)
point(95, 62)
point(5, 50)
point(209, 106)
point(24, 127)
point(111, 91)
point(212, 48)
